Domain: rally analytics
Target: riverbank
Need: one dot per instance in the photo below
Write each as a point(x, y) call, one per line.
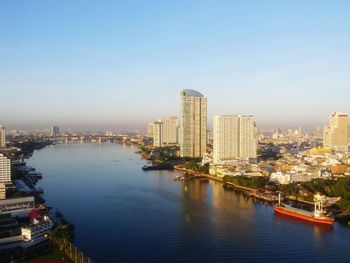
point(44, 237)
point(340, 216)
point(112, 200)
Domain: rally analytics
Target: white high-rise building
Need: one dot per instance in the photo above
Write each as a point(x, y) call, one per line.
point(158, 134)
point(193, 124)
point(248, 135)
point(235, 137)
point(170, 130)
point(2, 137)
point(335, 135)
point(5, 169)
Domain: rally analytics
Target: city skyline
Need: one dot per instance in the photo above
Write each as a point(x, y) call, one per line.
point(95, 66)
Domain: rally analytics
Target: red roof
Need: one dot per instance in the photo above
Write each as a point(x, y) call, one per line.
point(34, 214)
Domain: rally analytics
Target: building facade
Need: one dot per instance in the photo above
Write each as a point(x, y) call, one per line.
point(2, 191)
point(2, 137)
point(335, 135)
point(235, 137)
point(150, 129)
point(193, 124)
point(5, 169)
point(158, 134)
point(170, 130)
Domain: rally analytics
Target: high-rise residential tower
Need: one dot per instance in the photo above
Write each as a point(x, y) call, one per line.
point(2, 137)
point(157, 134)
point(170, 130)
point(150, 129)
point(335, 135)
point(5, 169)
point(193, 124)
point(235, 137)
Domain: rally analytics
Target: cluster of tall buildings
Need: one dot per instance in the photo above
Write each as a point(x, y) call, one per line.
point(235, 136)
point(336, 134)
point(164, 131)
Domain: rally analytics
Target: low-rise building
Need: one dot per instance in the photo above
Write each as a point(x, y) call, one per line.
point(17, 206)
point(38, 229)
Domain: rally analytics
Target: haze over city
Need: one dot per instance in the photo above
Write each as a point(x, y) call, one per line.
point(120, 65)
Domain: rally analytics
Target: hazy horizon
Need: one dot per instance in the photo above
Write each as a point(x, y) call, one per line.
point(119, 65)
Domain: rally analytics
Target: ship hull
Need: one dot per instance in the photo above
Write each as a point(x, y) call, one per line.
point(284, 211)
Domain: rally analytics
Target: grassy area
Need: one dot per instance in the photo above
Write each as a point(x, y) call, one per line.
point(52, 255)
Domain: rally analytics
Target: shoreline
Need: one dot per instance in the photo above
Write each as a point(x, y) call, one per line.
point(343, 218)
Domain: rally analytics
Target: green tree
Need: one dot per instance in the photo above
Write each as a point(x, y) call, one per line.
point(62, 236)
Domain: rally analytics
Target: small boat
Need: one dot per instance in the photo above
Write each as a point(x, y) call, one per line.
point(165, 166)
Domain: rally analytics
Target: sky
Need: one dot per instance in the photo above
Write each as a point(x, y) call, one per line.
point(121, 64)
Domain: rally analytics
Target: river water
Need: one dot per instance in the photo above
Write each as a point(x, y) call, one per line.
point(123, 214)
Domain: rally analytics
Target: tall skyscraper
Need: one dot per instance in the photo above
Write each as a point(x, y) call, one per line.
point(5, 169)
point(158, 134)
point(248, 135)
point(2, 137)
point(235, 137)
point(193, 124)
point(55, 131)
point(170, 130)
point(335, 135)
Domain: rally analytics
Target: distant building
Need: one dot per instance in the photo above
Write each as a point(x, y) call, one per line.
point(335, 135)
point(235, 137)
point(193, 124)
point(2, 137)
point(2, 191)
point(5, 169)
point(55, 131)
point(158, 134)
point(170, 130)
point(150, 129)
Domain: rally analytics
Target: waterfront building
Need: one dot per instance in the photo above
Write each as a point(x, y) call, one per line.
point(41, 226)
point(235, 137)
point(158, 134)
point(193, 124)
point(248, 135)
point(17, 206)
point(150, 129)
point(2, 137)
point(55, 131)
point(2, 191)
point(170, 130)
point(335, 135)
point(5, 169)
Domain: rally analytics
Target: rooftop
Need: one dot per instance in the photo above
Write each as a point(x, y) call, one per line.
point(191, 93)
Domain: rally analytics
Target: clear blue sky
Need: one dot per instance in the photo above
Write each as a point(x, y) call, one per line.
point(120, 64)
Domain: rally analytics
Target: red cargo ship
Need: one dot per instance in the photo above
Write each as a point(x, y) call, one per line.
point(317, 216)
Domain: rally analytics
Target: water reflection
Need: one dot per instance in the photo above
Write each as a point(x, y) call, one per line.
point(317, 228)
point(136, 216)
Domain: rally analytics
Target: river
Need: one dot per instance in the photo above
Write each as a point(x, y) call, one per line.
point(123, 214)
